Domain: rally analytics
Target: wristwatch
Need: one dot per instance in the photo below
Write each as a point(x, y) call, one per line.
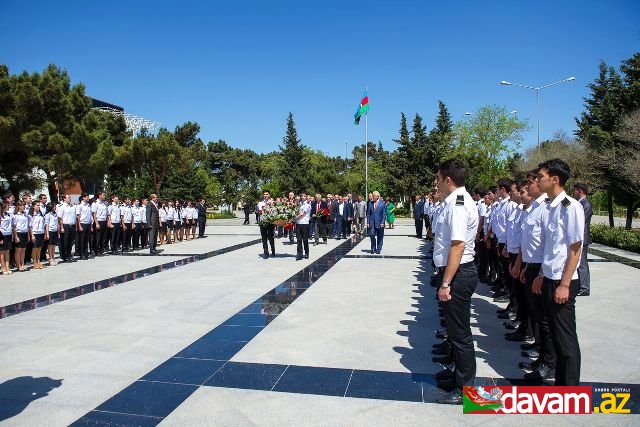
point(444, 285)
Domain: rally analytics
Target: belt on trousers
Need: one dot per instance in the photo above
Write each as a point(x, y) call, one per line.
point(463, 265)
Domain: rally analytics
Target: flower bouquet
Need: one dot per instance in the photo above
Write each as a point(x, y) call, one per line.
point(278, 213)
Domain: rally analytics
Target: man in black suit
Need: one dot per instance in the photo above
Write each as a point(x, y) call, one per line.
point(320, 220)
point(417, 215)
point(153, 222)
point(580, 192)
point(202, 218)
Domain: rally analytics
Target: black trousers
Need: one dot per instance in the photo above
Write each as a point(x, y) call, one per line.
point(201, 223)
point(144, 234)
point(562, 319)
point(85, 235)
point(69, 238)
point(101, 237)
point(153, 238)
point(266, 232)
point(137, 233)
point(115, 237)
point(457, 315)
point(302, 235)
point(418, 222)
point(320, 230)
point(290, 233)
point(126, 236)
point(493, 261)
point(78, 238)
point(539, 322)
point(348, 226)
point(483, 257)
point(584, 275)
point(520, 297)
point(503, 271)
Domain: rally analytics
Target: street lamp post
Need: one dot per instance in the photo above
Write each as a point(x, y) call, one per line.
point(538, 89)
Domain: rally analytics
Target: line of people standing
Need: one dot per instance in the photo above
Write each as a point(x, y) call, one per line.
point(31, 230)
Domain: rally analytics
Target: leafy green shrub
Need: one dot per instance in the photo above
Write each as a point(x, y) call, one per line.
point(629, 240)
point(221, 215)
point(402, 212)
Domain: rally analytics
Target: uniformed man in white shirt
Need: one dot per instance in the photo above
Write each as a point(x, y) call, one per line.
point(454, 242)
point(68, 219)
point(136, 211)
point(127, 225)
point(302, 227)
point(563, 233)
point(99, 211)
point(85, 219)
point(114, 222)
point(527, 267)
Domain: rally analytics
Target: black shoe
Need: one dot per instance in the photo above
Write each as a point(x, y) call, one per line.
point(583, 293)
point(542, 373)
point(298, 258)
point(529, 366)
point(506, 315)
point(306, 256)
point(442, 334)
point(517, 336)
point(444, 360)
point(452, 398)
point(443, 344)
point(512, 326)
point(273, 254)
point(152, 252)
point(503, 310)
point(444, 374)
point(503, 298)
point(533, 354)
point(529, 346)
point(266, 255)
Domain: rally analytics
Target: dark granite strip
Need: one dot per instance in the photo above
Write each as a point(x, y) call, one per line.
point(77, 291)
point(401, 386)
point(615, 258)
point(102, 418)
point(390, 256)
point(163, 389)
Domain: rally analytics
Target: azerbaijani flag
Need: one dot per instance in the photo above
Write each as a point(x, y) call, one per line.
point(362, 108)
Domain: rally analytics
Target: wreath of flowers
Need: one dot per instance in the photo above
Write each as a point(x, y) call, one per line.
point(278, 213)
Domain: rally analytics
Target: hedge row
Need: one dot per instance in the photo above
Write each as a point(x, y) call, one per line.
point(629, 240)
point(221, 215)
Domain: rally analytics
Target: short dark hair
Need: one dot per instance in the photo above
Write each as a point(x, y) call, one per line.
point(480, 191)
point(84, 194)
point(557, 167)
point(455, 170)
point(521, 183)
point(533, 173)
point(505, 183)
point(581, 186)
point(493, 189)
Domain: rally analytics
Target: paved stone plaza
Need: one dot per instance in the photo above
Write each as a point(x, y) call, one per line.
point(209, 333)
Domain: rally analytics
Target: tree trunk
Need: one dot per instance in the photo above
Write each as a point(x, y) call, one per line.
point(631, 208)
point(610, 208)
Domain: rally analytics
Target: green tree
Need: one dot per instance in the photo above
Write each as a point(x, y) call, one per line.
point(439, 141)
point(611, 98)
point(46, 124)
point(292, 176)
point(484, 141)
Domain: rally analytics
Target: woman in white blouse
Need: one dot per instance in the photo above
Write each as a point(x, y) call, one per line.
point(36, 229)
point(20, 223)
point(51, 232)
point(6, 236)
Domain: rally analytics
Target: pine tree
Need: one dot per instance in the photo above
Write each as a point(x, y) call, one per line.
point(292, 176)
point(440, 138)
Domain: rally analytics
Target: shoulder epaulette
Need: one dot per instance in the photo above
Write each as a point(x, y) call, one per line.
point(547, 200)
point(566, 202)
point(460, 200)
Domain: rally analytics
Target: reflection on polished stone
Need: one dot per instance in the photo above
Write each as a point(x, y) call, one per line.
point(44, 300)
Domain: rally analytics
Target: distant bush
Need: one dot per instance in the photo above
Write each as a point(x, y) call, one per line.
point(402, 212)
point(221, 215)
point(629, 240)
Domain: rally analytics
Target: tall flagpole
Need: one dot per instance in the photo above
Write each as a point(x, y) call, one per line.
point(366, 150)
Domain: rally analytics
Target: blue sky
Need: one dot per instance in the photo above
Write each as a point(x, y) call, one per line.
point(238, 67)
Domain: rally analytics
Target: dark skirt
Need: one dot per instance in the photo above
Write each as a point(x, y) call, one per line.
point(5, 242)
point(164, 227)
point(187, 223)
point(24, 240)
point(170, 224)
point(39, 239)
point(53, 238)
point(178, 224)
